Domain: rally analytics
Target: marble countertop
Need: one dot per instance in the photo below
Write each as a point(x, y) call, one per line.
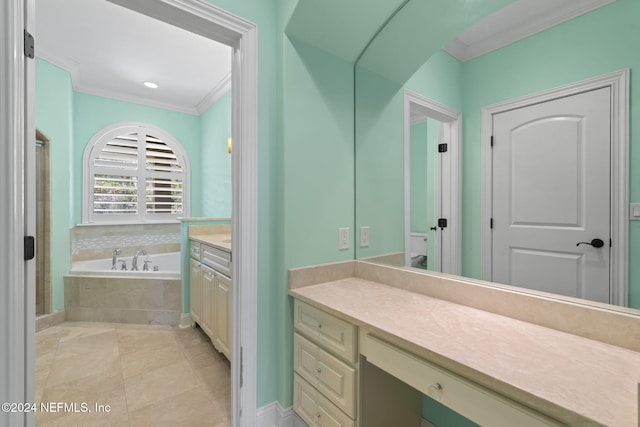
point(576, 380)
point(220, 241)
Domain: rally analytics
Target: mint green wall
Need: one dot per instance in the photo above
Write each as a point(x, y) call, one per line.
point(317, 166)
point(94, 113)
point(593, 44)
point(54, 118)
point(380, 146)
point(439, 79)
point(215, 161)
point(379, 163)
point(421, 177)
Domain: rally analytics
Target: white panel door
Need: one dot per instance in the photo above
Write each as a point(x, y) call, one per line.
point(551, 191)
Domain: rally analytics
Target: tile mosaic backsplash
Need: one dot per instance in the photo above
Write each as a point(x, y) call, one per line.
point(90, 242)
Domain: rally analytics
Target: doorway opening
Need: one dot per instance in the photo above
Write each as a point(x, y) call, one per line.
point(432, 184)
point(216, 24)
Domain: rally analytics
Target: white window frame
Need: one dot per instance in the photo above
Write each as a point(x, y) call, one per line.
point(95, 146)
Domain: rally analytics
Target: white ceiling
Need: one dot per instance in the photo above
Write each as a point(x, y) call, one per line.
point(111, 51)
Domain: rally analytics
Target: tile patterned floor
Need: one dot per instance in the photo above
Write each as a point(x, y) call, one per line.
point(148, 375)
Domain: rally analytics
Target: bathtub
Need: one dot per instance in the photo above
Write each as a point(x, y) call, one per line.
point(94, 292)
point(168, 265)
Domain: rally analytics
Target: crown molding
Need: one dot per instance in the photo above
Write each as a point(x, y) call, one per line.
point(72, 68)
point(523, 26)
point(216, 93)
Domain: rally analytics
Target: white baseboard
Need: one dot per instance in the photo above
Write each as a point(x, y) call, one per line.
point(185, 320)
point(273, 415)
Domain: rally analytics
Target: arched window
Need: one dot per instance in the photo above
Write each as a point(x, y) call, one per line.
point(134, 172)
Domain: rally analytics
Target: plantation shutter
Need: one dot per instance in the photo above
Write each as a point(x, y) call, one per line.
point(164, 178)
point(136, 176)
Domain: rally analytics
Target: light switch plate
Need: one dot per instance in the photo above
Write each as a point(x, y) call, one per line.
point(634, 211)
point(343, 238)
point(364, 236)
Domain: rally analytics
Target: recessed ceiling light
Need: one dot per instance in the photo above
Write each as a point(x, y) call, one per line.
point(152, 85)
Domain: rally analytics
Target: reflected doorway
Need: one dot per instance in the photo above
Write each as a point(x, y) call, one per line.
point(43, 228)
point(432, 140)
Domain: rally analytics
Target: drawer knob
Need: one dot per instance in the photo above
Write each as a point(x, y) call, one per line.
point(318, 416)
point(435, 390)
point(317, 371)
point(319, 326)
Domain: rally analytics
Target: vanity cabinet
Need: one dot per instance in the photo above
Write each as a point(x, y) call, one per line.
point(326, 368)
point(210, 293)
point(347, 376)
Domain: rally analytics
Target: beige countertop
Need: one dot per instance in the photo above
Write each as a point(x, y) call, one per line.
point(220, 241)
point(576, 380)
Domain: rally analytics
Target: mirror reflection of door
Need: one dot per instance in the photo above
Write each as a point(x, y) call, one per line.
point(426, 192)
point(432, 185)
point(551, 193)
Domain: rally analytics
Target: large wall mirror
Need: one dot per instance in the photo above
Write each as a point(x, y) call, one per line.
point(552, 81)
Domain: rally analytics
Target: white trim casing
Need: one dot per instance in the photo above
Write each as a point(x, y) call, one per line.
point(274, 415)
point(619, 83)
point(209, 21)
point(17, 129)
point(450, 206)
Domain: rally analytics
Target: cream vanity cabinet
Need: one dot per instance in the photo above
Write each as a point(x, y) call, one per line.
point(335, 386)
point(210, 293)
point(325, 368)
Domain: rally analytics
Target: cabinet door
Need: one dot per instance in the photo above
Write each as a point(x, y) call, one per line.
point(208, 296)
point(223, 314)
point(195, 290)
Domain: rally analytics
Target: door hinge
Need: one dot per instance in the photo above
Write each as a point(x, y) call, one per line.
point(491, 141)
point(610, 242)
point(241, 369)
point(29, 45)
point(29, 248)
point(442, 223)
point(443, 148)
point(491, 223)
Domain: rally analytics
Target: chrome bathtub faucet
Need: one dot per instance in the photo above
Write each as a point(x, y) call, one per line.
point(145, 266)
point(114, 260)
point(134, 263)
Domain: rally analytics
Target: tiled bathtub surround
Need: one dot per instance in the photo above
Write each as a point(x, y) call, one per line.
point(90, 242)
point(154, 301)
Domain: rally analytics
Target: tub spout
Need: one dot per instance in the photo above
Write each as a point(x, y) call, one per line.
point(114, 260)
point(134, 263)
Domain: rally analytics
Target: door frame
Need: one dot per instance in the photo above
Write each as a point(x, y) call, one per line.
point(17, 124)
point(618, 82)
point(450, 207)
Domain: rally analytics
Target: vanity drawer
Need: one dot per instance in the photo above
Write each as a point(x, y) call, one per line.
point(471, 400)
point(194, 250)
point(217, 259)
point(336, 335)
point(333, 378)
point(314, 408)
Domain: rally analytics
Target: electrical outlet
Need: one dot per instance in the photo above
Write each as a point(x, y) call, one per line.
point(364, 236)
point(343, 238)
